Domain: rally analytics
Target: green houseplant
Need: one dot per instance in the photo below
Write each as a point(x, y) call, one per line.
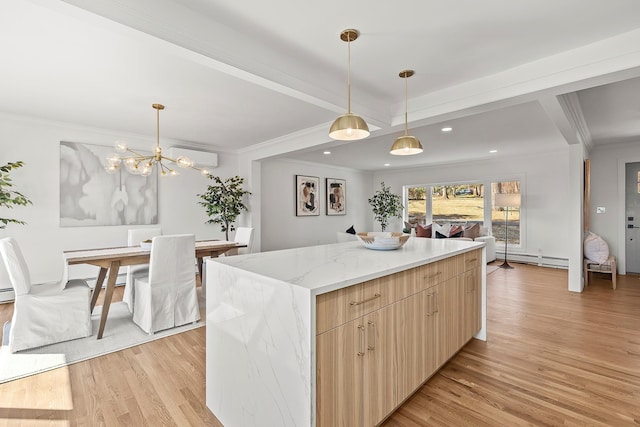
point(385, 205)
point(9, 197)
point(223, 202)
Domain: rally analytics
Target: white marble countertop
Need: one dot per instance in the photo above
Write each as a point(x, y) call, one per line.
point(324, 268)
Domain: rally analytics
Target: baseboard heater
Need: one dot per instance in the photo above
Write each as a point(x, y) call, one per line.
point(539, 260)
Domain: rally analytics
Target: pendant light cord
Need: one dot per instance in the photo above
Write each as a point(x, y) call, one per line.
point(406, 107)
point(348, 74)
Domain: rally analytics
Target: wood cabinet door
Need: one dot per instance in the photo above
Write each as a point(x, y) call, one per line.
point(451, 315)
point(340, 355)
point(432, 352)
point(472, 303)
point(410, 324)
point(380, 393)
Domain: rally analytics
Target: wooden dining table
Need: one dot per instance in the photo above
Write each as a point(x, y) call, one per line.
point(111, 259)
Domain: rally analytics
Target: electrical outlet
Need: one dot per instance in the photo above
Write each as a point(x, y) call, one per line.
point(600, 209)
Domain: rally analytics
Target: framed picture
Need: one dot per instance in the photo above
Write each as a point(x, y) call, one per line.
point(336, 196)
point(89, 196)
point(307, 202)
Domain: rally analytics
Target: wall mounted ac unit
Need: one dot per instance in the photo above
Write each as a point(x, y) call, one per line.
point(200, 158)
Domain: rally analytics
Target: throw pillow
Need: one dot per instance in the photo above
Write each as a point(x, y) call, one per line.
point(456, 231)
point(595, 248)
point(423, 231)
point(351, 230)
point(471, 230)
point(458, 234)
point(442, 229)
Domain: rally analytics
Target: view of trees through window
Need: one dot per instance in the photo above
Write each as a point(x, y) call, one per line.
point(498, 214)
point(460, 203)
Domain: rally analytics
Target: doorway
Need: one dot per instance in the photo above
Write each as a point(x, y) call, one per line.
point(632, 217)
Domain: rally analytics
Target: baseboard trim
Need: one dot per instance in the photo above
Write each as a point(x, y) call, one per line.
point(539, 260)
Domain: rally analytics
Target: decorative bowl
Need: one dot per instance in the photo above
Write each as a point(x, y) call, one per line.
point(382, 241)
point(145, 245)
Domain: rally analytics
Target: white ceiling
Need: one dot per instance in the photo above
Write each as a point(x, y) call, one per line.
point(249, 74)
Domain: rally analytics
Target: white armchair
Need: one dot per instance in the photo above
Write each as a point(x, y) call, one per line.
point(134, 237)
point(166, 297)
point(46, 313)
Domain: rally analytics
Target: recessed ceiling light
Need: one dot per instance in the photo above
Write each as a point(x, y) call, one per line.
point(327, 152)
point(493, 151)
point(387, 164)
point(447, 129)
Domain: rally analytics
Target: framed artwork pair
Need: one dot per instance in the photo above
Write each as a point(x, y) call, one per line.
point(307, 196)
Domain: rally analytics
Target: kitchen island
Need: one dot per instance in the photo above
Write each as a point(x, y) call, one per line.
point(295, 337)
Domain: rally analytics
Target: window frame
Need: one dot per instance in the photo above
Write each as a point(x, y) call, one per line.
point(488, 202)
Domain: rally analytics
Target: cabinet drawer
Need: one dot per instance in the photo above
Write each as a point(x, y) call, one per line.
point(338, 307)
point(472, 260)
point(431, 274)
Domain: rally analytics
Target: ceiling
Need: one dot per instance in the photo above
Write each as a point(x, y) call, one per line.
point(516, 77)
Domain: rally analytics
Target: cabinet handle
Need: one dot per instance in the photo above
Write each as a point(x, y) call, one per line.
point(472, 260)
point(437, 310)
point(376, 295)
point(361, 352)
point(372, 333)
point(430, 304)
point(433, 276)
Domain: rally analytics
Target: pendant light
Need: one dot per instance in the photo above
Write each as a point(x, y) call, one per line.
point(406, 145)
point(349, 127)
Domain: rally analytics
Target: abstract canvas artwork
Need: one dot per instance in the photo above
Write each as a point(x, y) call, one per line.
point(307, 203)
point(336, 196)
point(89, 196)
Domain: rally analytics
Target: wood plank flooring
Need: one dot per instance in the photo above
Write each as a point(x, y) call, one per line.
point(552, 358)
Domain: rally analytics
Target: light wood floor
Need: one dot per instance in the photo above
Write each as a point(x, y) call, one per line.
point(552, 358)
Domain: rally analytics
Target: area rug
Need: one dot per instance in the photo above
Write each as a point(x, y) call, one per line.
point(119, 333)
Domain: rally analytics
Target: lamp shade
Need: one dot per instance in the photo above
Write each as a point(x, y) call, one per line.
point(349, 127)
point(406, 145)
point(506, 200)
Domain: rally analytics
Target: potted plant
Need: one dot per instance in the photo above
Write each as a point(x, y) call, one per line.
point(223, 202)
point(9, 197)
point(385, 205)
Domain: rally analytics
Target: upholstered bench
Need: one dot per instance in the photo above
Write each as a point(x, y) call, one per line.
point(607, 267)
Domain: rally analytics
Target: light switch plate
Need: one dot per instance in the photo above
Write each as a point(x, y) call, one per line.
point(600, 210)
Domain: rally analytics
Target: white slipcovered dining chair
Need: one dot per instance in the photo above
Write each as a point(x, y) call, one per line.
point(243, 235)
point(134, 237)
point(46, 313)
point(166, 296)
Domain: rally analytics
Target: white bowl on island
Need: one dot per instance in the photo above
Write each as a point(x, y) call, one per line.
point(382, 240)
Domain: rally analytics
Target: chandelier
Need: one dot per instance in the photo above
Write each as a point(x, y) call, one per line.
point(140, 164)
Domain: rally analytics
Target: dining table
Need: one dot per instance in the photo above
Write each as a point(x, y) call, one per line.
point(111, 259)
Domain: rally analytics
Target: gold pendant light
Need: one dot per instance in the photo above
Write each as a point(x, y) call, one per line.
point(349, 127)
point(406, 145)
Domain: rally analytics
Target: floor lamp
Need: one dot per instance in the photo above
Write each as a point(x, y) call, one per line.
point(506, 200)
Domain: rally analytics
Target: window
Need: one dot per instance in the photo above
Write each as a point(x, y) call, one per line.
point(501, 216)
point(458, 203)
point(417, 205)
point(465, 202)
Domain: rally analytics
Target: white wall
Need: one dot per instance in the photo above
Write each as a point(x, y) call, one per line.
point(43, 240)
point(545, 187)
point(281, 228)
point(607, 190)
